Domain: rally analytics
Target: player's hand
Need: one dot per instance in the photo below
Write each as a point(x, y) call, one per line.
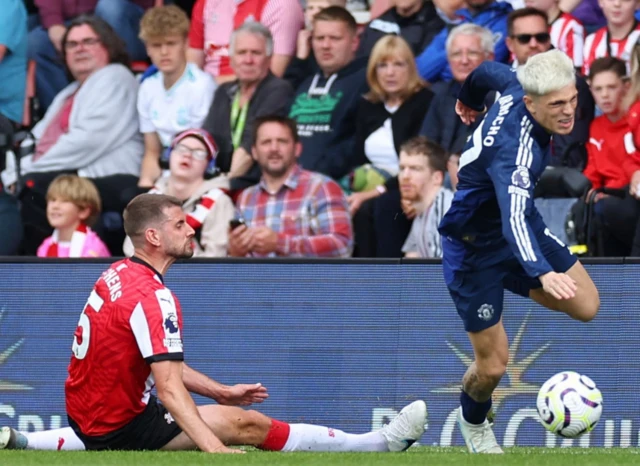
point(244, 394)
point(559, 285)
point(466, 114)
point(225, 449)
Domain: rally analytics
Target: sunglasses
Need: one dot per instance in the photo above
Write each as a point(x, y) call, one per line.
point(541, 38)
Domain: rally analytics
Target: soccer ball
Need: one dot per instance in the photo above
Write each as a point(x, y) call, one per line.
point(569, 404)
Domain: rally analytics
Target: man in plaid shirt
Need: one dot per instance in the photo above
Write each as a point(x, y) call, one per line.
point(291, 212)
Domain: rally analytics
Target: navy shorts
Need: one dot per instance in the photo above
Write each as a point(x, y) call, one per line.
point(478, 295)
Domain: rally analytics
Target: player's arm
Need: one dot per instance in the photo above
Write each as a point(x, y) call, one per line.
point(235, 395)
point(175, 397)
point(489, 76)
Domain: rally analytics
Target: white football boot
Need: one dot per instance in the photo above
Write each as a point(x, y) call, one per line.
point(478, 437)
point(407, 427)
point(11, 439)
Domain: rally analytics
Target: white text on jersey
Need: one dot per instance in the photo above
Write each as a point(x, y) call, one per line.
point(505, 104)
point(112, 279)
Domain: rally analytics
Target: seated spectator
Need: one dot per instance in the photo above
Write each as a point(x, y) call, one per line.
point(567, 33)
point(191, 180)
point(326, 103)
point(304, 64)
point(467, 46)
point(73, 205)
point(292, 212)
point(432, 62)
point(175, 99)
point(256, 92)
point(45, 40)
point(90, 129)
point(13, 60)
point(614, 161)
point(212, 23)
point(422, 168)
point(529, 36)
point(389, 114)
point(617, 38)
point(416, 21)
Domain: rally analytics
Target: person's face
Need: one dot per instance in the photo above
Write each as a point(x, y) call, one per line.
point(618, 12)
point(249, 60)
point(168, 53)
point(65, 214)
point(393, 75)
point(542, 5)
point(555, 111)
point(189, 159)
point(407, 8)
point(314, 7)
point(530, 37)
point(334, 45)
point(176, 235)
point(465, 55)
point(608, 90)
point(415, 175)
point(275, 150)
point(84, 52)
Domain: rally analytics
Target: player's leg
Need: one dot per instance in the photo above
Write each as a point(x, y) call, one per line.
point(236, 426)
point(54, 439)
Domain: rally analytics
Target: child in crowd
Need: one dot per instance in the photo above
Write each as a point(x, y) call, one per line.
point(73, 204)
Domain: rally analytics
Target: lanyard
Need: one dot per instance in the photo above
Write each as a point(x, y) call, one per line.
point(238, 120)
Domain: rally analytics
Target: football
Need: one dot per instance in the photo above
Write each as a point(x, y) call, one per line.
point(569, 404)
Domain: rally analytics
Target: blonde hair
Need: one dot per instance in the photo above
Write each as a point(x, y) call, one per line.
point(79, 191)
point(389, 47)
point(162, 21)
point(633, 94)
point(546, 72)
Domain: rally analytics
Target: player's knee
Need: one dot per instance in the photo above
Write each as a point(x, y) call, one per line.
point(589, 308)
point(492, 370)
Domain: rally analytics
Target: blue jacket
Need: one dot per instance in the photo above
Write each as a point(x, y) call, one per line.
point(493, 217)
point(432, 62)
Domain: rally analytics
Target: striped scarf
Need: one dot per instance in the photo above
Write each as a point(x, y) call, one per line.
point(196, 218)
point(77, 242)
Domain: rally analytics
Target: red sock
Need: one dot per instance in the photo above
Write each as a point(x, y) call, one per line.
point(276, 437)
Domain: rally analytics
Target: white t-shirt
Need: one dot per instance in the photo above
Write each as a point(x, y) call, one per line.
point(379, 147)
point(184, 106)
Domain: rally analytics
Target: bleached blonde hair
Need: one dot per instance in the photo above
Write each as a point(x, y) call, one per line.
point(546, 72)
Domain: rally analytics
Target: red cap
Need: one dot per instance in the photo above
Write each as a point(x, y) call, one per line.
point(203, 136)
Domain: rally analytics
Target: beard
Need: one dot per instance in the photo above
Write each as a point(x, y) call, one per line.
point(184, 252)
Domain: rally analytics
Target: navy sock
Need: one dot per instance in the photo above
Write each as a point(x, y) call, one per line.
point(474, 412)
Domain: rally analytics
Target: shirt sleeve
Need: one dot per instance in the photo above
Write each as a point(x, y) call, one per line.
point(51, 12)
point(433, 60)
point(11, 30)
point(202, 104)
point(511, 169)
point(156, 323)
point(489, 76)
point(284, 18)
point(196, 30)
point(144, 108)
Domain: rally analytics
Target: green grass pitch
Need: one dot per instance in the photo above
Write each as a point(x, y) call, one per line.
point(420, 456)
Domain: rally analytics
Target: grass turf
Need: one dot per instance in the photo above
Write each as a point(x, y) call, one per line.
point(422, 456)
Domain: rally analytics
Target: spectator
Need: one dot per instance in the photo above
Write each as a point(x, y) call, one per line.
point(326, 103)
point(617, 38)
point(588, 12)
point(212, 23)
point(529, 36)
point(304, 64)
point(256, 92)
point(432, 63)
point(631, 102)
point(467, 46)
point(190, 180)
point(13, 60)
point(446, 8)
point(45, 40)
point(175, 99)
point(292, 212)
point(389, 114)
point(417, 21)
point(614, 161)
point(567, 33)
point(90, 129)
point(422, 168)
point(73, 205)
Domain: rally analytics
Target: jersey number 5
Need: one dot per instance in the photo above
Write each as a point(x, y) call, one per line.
point(83, 333)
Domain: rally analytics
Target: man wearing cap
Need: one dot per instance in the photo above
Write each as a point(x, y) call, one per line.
point(191, 180)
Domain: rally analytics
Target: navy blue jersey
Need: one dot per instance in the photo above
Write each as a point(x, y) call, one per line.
point(493, 217)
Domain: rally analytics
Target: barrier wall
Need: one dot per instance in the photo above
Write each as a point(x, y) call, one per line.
point(345, 345)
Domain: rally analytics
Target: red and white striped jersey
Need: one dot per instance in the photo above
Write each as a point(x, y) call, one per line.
point(130, 321)
point(567, 34)
point(598, 45)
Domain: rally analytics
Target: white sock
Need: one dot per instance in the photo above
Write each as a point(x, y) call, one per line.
point(55, 439)
point(307, 437)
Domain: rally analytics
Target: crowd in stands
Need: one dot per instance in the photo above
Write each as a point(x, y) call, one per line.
point(296, 128)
